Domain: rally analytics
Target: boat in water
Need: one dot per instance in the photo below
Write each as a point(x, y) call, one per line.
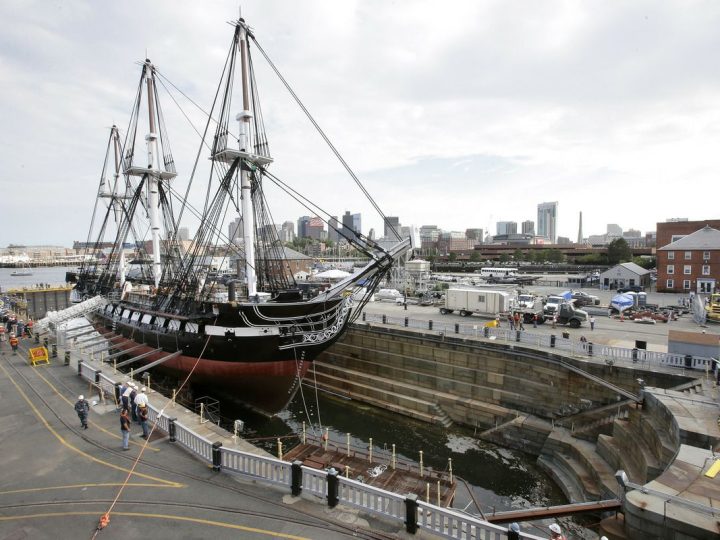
point(254, 336)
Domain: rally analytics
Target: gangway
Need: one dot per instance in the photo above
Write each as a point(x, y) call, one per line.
point(531, 514)
point(55, 318)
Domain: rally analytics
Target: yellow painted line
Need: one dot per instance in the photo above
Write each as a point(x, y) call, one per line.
point(199, 521)
point(714, 469)
point(75, 449)
point(82, 486)
point(100, 428)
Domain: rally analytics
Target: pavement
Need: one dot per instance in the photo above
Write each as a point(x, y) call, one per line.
point(608, 331)
point(58, 480)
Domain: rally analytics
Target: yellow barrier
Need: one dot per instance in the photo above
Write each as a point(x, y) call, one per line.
point(713, 470)
point(39, 354)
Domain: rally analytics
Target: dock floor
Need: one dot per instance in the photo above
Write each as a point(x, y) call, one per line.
point(58, 480)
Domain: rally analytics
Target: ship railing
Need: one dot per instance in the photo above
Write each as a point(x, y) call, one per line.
point(560, 341)
point(107, 385)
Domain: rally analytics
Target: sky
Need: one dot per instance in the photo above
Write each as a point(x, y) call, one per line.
point(455, 113)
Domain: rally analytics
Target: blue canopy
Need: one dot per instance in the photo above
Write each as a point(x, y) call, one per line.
point(622, 301)
point(567, 295)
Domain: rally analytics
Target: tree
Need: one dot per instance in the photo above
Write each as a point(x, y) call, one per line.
point(619, 251)
point(555, 256)
point(518, 255)
point(452, 257)
point(475, 256)
point(504, 257)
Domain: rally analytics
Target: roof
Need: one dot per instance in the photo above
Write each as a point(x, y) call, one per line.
point(706, 238)
point(632, 267)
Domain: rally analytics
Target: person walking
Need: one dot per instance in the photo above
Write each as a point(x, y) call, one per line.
point(554, 321)
point(556, 532)
point(125, 395)
point(125, 428)
point(592, 323)
point(82, 408)
point(14, 342)
point(535, 320)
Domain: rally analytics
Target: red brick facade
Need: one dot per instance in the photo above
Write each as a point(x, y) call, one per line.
point(682, 270)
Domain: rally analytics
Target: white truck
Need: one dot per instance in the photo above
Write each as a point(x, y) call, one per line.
point(391, 295)
point(477, 301)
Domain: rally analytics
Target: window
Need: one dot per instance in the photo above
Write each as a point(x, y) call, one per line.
point(687, 269)
point(706, 255)
point(670, 284)
point(706, 270)
point(688, 255)
point(671, 269)
point(686, 284)
point(671, 255)
point(481, 299)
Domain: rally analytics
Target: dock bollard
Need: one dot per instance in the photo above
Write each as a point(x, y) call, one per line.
point(80, 364)
point(363, 318)
point(171, 429)
point(457, 328)
point(67, 358)
point(296, 478)
point(54, 350)
point(634, 355)
point(407, 320)
point(384, 319)
point(97, 376)
point(590, 349)
point(411, 513)
point(216, 456)
point(486, 331)
point(552, 340)
point(333, 486)
point(517, 335)
point(429, 325)
point(37, 339)
point(45, 342)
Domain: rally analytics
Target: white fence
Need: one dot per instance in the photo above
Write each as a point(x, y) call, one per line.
point(318, 483)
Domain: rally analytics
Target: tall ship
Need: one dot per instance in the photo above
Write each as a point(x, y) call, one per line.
point(254, 333)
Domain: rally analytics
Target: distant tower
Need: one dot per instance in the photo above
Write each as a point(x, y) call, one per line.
point(580, 234)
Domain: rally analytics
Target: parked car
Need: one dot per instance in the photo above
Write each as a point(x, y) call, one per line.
point(584, 299)
point(630, 288)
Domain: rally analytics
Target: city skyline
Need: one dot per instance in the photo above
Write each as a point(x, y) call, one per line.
point(589, 105)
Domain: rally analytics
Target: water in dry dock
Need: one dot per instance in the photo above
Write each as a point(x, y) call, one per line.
point(500, 479)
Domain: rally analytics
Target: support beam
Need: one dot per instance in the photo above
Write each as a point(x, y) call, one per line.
point(138, 357)
point(157, 362)
point(118, 354)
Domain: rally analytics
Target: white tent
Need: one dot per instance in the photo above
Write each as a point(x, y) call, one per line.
point(333, 273)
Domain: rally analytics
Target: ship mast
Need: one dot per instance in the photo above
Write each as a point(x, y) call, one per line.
point(153, 198)
point(248, 216)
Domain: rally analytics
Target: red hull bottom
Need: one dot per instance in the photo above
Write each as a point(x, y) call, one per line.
point(264, 386)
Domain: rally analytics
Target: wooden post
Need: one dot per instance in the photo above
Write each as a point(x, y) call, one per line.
point(347, 438)
point(148, 382)
point(427, 492)
point(115, 367)
point(393, 458)
point(202, 410)
point(280, 449)
point(450, 469)
point(421, 465)
point(438, 494)
point(327, 437)
point(347, 471)
point(173, 397)
point(303, 433)
point(370, 451)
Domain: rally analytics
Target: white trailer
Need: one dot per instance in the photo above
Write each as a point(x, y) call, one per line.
point(481, 302)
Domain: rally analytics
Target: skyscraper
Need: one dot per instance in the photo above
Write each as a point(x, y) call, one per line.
point(390, 224)
point(287, 232)
point(302, 224)
point(506, 227)
point(333, 228)
point(528, 227)
point(235, 230)
point(580, 231)
point(547, 220)
point(351, 224)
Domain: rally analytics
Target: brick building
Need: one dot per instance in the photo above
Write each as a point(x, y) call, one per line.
point(690, 263)
point(669, 231)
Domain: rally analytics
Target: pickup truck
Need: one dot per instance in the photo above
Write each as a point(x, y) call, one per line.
point(584, 299)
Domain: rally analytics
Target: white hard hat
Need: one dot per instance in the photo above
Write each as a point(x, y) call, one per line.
point(555, 528)
point(81, 396)
point(143, 389)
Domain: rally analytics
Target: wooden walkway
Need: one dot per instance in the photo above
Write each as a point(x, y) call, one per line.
point(404, 479)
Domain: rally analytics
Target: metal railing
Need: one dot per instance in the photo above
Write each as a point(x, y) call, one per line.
point(612, 355)
point(315, 483)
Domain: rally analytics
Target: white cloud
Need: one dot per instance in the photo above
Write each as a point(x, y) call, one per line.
point(457, 114)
